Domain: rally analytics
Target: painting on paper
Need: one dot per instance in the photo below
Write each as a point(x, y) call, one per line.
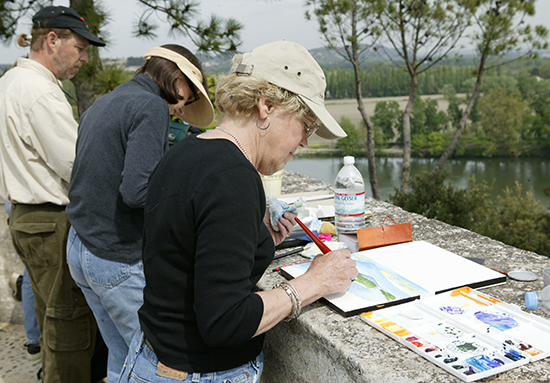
point(375, 285)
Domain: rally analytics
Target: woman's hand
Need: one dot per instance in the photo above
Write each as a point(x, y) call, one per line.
point(285, 224)
point(327, 274)
point(332, 272)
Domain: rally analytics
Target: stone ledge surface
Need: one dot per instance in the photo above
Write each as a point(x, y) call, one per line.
point(323, 346)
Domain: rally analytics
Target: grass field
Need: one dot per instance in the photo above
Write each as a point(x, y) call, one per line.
point(348, 108)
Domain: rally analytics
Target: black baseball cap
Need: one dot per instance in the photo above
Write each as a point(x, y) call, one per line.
point(64, 17)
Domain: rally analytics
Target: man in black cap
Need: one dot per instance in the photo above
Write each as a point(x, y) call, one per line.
point(38, 135)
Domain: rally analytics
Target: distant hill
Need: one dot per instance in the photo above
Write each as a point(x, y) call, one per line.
point(216, 64)
point(327, 59)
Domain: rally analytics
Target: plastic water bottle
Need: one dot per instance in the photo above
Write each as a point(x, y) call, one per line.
point(541, 299)
point(349, 198)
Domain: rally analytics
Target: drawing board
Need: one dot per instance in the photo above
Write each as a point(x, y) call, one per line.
point(396, 274)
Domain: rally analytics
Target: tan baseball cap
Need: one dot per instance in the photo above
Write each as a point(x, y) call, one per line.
point(290, 66)
point(200, 113)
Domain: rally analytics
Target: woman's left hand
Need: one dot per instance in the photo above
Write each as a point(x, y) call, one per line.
point(286, 225)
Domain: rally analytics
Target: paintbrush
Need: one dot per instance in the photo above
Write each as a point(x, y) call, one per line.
point(297, 250)
point(324, 248)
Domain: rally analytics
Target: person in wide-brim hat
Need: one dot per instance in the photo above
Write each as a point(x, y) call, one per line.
point(208, 235)
point(121, 139)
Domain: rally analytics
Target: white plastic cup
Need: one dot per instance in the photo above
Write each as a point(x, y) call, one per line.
point(273, 183)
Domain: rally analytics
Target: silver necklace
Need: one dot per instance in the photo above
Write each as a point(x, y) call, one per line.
point(237, 141)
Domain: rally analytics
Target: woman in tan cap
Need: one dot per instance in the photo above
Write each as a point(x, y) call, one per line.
point(207, 238)
point(121, 139)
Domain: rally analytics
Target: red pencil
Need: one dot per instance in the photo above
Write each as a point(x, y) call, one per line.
point(324, 248)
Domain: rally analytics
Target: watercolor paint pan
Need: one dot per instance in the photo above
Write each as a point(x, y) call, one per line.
point(497, 320)
point(451, 338)
point(452, 362)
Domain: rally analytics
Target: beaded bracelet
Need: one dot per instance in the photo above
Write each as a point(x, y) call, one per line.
point(294, 297)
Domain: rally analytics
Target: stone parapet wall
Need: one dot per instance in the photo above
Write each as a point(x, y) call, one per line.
point(11, 311)
point(323, 346)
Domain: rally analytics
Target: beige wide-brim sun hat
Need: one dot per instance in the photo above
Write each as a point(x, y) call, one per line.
point(201, 112)
point(290, 66)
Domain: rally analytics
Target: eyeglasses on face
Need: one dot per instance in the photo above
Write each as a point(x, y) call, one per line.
point(311, 128)
point(195, 97)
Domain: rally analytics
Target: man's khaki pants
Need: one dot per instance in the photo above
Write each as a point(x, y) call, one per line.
point(67, 326)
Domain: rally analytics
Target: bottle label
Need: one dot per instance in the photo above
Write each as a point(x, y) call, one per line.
point(349, 204)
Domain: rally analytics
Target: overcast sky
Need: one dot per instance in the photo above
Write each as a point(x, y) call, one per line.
point(264, 21)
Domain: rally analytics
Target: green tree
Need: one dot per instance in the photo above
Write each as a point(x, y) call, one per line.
point(110, 77)
point(518, 219)
point(215, 36)
point(453, 109)
point(85, 80)
point(544, 70)
point(501, 30)
point(537, 95)
point(427, 124)
point(422, 33)
point(349, 28)
point(352, 145)
point(10, 13)
point(386, 117)
point(432, 198)
point(493, 82)
point(515, 218)
point(502, 120)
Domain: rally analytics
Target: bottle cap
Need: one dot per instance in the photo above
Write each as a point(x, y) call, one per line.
point(349, 160)
point(531, 300)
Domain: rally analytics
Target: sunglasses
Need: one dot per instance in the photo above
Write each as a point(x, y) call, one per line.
point(195, 98)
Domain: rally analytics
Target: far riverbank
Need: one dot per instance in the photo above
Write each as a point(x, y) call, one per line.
point(532, 173)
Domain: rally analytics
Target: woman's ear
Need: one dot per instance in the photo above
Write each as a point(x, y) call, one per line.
point(265, 107)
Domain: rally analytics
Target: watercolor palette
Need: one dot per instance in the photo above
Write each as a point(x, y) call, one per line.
point(467, 333)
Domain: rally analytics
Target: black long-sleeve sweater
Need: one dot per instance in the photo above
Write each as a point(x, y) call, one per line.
point(205, 248)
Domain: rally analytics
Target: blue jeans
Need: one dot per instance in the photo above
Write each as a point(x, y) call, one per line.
point(114, 292)
point(142, 364)
point(29, 316)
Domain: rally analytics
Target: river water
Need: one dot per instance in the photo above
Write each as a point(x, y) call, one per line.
point(532, 173)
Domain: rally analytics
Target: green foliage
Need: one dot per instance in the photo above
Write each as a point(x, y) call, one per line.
point(386, 117)
point(386, 80)
point(544, 70)
point(433, 143)
point(351, 22)
point(537, 95)
point(110, 77)
point(489, 83)
point(426, 118)
point(518, 219)
point(11, 11)
point(502, 29)
point(353, 144)
point(454, 113)
point(430, 197)
point(180, 16)
point(501, 122)
point(515, 218)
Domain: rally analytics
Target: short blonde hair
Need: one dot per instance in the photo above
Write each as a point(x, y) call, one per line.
point(239, 95)
point(39, 35)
